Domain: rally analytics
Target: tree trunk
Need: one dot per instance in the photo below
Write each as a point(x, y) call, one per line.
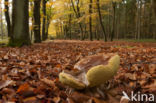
point(114, 16)
point(37, 21)
point(100, 18)
point(90, 20)
point(47, 28)
point(77, 13)
point(1, 19)
point(139, 19)
point(126, 17)
point(109, 23)
point(44, 37)
point(70, 18)
point(20, 22)
point(154, 4)
point(7, 18)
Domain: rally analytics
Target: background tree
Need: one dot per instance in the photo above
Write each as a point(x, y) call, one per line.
point(114, 16)
point(100, 19)
point(7, 17)
point(37, 22)
point(20, 24)
point(154, 4)
point(90, 19)
point(78, 15)
point(44, 37)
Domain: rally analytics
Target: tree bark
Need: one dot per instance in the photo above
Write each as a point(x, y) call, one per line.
point(90, 20)
point(77, 13)
point(139, 19)
point(1, 23)
point(114, 16)
point(37, 22)
point(126, 20)
point(154, 5)
point(100, 18)
point(7, 18)
point(20, 22)
point(44, 37)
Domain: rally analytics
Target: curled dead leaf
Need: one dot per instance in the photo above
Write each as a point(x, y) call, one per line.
point(96, 100)
point(48, 82)
point(131, 76)
point(79, 97)
point(56, 99)
point(5, 83)
point(23, 88)
point(30, 100)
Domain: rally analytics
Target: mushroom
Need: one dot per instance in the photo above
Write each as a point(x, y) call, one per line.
point(91, 71)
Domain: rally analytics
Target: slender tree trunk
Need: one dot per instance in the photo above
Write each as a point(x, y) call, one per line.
point(109, 23)
point(37, 22)
point(44, 37)
point(114, 16)
point(70, 26)
point(77, 13)
point(31, 35)
point(118, 23)
point(126, 17)
point(20, 21)
point(154, 5)
point(7, 18)
point(90, 20)
point(32, 21)
point(100, 19)
point(139, 19)
point(47, 28)
point(1, 21)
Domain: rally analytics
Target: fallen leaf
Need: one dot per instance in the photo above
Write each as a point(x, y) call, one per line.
point(30, 100)
point(5, 83)
point(23, 87)
point(48, 82)
point(79, 97)
point(131, 76)
point(56, 99)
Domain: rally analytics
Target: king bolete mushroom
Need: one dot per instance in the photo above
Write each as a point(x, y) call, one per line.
point(91, 71)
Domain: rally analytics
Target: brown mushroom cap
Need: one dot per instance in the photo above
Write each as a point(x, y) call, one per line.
point(94, 60)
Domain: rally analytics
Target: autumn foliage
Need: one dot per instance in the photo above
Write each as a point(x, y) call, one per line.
point(30, 74)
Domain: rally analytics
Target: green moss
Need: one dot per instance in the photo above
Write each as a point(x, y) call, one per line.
point(4, 41)
point(136, 40)
point(18, 43)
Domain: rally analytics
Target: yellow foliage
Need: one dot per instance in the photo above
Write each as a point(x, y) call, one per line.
point(4, 10)
point(52, 29)
point(63, 8)
point(6, 3)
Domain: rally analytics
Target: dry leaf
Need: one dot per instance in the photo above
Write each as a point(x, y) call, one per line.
point(48, 82)
point(5, 83)
point(56, 99)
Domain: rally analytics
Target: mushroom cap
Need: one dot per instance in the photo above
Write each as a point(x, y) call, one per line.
point(91, 71)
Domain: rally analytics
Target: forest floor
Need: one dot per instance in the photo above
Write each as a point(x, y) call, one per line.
point(30, 74)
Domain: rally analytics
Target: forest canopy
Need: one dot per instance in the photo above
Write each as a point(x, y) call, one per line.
point(78, 19)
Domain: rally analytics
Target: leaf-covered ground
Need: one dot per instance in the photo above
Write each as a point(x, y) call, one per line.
point(30, 74)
